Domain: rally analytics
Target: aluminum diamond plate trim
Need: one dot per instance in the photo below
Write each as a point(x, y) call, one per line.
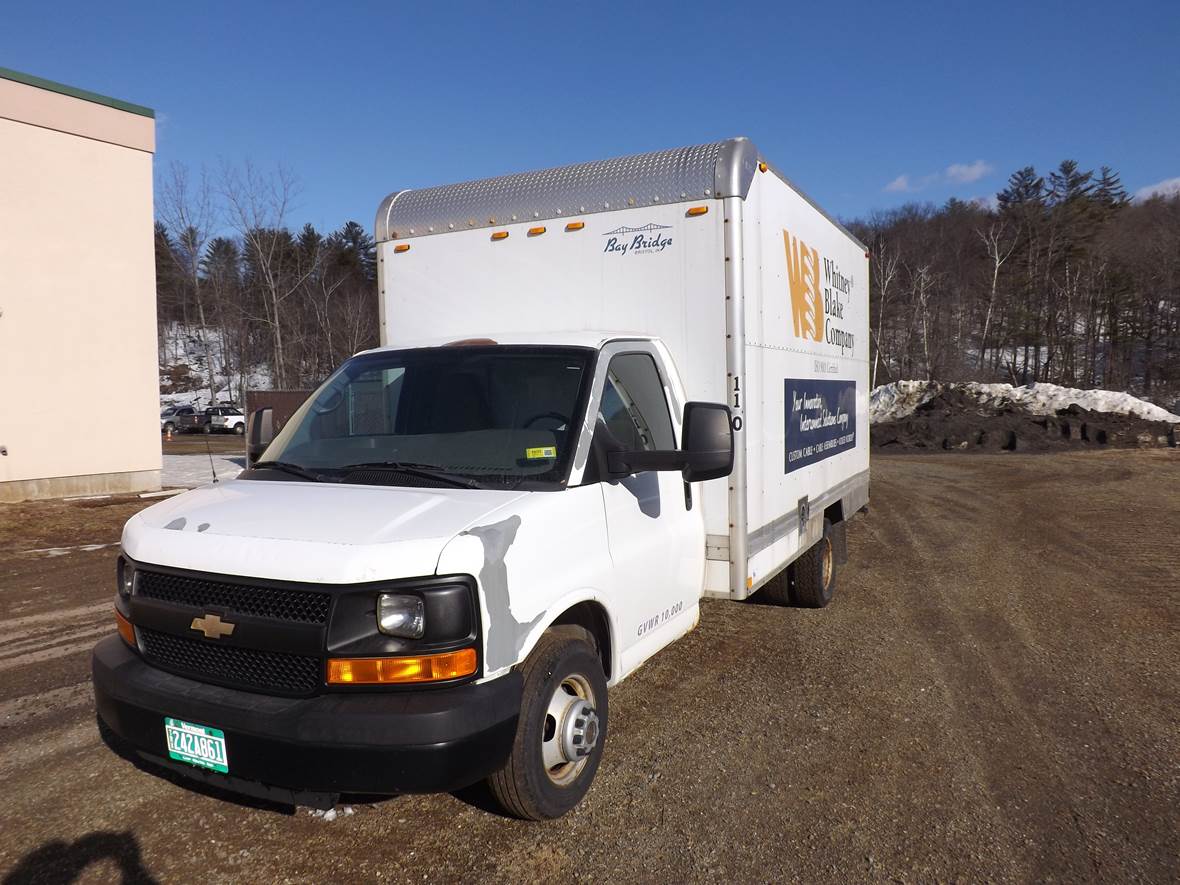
point(706, 171)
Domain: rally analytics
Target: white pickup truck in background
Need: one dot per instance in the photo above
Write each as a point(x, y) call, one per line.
point(604, 392)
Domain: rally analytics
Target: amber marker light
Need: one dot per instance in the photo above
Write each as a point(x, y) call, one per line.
point(697, 210)
point(401, 247)
point(500, 235)
point(575, 225)
point(536, 231)
point(762, 167)
point(385, 671)
point(125, 629)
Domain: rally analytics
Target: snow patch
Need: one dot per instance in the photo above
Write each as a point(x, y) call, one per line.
point(899, 399)
point(191, 471)
point(331, 814)
point(182, 345)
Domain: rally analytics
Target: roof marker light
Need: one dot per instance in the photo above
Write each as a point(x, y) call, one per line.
point(697, 210)
point(762, 167)
point(500, 235)
point(401, 247)
point(575, 225)
point(536, 231)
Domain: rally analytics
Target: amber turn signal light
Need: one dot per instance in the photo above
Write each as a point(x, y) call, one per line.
point(697, 210)
point(401, 247)
point(125, 629)
point(383, 671)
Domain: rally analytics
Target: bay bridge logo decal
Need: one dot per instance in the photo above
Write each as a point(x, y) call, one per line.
point(646, 240)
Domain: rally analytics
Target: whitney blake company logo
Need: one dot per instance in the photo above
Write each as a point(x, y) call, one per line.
point(818, 297)
point(646, 240)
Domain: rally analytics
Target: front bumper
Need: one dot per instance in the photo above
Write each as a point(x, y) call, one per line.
point(308, 750)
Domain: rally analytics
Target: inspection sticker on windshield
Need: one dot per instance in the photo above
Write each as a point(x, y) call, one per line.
point(196, 744)
point(541, 452)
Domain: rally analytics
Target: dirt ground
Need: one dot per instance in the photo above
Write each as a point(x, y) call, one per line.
point(194, 444)
point(993, 695)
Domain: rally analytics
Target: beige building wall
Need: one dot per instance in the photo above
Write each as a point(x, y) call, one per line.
point(79, 385)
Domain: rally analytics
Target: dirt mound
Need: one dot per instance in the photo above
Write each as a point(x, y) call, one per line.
point(956, 421)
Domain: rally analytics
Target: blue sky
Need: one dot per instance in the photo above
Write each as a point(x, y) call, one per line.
point(866, 105)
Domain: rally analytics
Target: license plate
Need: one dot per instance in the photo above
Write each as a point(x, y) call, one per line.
point(197, 745)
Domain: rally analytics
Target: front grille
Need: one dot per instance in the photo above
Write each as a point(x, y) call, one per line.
point(250, 668)
point(280, 603)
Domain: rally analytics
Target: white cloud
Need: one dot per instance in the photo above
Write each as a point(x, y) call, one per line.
point(965, 173)
point(1169, 187)
point(955, 173)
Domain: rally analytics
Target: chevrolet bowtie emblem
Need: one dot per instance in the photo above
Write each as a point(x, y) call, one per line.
point(213, 627)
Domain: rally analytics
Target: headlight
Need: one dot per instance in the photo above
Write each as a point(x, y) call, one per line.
point(125, 580)
point(401, 615)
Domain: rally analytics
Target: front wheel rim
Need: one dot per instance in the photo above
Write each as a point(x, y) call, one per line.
point(571, 730)
point(827, 563)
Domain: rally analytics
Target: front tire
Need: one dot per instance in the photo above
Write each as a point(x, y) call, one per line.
point(239, 429)
point(561, 732)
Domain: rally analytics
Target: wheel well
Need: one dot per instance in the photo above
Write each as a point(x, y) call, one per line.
point(834, 513)
point(592, 617)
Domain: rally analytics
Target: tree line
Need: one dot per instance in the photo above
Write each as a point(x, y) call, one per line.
point(257, 294)
point(1063, 279)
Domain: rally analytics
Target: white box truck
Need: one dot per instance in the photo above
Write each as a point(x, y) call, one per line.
point(604, 391)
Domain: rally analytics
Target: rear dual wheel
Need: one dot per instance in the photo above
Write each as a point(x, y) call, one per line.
point(561, 730)
point(810, 581)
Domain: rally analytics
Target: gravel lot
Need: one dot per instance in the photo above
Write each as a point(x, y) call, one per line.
point(994, 694)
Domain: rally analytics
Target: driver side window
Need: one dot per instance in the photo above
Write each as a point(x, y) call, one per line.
point(633, 405)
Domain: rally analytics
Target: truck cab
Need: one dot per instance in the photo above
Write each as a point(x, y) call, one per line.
point(430, 524)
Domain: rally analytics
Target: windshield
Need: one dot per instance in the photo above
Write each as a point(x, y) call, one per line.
point(494, 416)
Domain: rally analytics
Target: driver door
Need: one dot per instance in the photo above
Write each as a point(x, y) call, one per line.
point(655, 540)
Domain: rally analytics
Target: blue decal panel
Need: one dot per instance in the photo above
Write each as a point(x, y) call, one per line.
point(821, 419)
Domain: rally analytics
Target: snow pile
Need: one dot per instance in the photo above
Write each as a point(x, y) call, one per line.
point(899, 399)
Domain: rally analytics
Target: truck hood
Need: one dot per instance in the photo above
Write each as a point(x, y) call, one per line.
point(314, 532)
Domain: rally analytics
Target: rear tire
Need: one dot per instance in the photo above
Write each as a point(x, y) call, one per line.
point(814, 579)
point(207, 428)
point(561, 732)
point(239, 429)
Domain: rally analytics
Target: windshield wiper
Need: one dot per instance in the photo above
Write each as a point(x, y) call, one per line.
point(288, 467)
point(426, 471)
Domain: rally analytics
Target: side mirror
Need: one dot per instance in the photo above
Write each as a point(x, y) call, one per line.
point(706, 453)
point(708, 441)
point(260, 434)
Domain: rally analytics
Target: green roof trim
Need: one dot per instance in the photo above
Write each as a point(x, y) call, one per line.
point(41, 83)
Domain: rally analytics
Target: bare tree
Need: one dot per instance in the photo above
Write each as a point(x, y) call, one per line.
point(999, 246)
point(188, 214)
point(258, 204)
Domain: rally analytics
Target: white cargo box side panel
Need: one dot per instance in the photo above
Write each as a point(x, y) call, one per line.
point(807, 345)
point(651, 271)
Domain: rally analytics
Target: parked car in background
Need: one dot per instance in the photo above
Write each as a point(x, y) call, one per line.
point(171, 416)
point(191, 419)
point(201, 421)
point(227, 419)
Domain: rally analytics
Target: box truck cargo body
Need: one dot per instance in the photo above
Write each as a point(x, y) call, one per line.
point(759, 296)
point(603, 392)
